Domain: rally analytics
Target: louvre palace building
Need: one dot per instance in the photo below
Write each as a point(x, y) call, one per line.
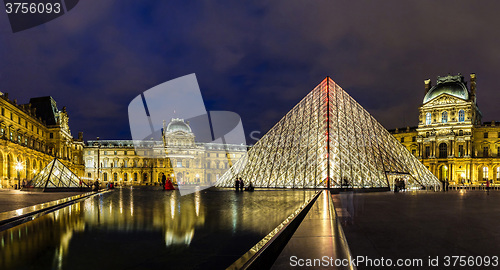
point(32, 135)
point(450, 140)
point(177, 155)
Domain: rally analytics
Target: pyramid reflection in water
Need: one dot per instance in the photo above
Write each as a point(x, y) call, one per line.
point(328, 135)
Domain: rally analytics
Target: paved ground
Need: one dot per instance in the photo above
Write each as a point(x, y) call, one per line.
point(15, 199)
point(316, 236)
point(422, 225)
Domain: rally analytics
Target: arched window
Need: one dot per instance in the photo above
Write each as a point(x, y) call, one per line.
point(444, 117)
point(105, 176)
point(485, 173)
point(461, 116)
point(443, 150)
point(460, 133)
point(135, 176)
point(428, 118)
point(115, 177)
point(498, 173)
point(125, 177)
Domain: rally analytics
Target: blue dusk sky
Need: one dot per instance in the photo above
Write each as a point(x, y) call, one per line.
point(255, 58)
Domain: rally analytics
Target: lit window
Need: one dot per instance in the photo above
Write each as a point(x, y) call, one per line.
point(428, 118)
point(444, 117)
point(498, 173)
point(485, 172)
point(179, 164)
point(461, 116)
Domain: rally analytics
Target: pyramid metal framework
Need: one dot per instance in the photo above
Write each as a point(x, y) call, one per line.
point(56, 175)
point(328, 140)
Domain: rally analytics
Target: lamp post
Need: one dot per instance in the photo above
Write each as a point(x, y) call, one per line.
point(19, 168)
point(98, 158)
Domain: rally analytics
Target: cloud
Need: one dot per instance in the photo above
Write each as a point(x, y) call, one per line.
point(256, 58)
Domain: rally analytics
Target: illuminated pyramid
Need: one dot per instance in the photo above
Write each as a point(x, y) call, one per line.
point(328, 140)
point(56, 176)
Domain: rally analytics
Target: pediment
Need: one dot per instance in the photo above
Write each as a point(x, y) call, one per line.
point(445, 99)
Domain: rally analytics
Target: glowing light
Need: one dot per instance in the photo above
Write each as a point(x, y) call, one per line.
point(19, 166)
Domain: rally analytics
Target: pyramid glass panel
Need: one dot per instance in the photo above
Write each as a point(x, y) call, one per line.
point(55, 175)
point(328, 140)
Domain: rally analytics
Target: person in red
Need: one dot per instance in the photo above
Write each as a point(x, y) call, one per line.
point(488, 186)
point(169, 185)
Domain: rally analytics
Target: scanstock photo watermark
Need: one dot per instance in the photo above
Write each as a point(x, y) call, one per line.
point(365, 261)
point(26, 14)
point(154, 114)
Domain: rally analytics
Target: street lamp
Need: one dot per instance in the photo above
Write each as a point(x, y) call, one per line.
point(98, 158)
point(19, 167)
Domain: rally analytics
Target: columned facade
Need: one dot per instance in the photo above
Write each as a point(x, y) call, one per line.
point(179, 157)
point(31, 135)
point(450, 140)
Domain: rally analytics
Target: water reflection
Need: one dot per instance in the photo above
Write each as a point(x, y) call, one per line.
point(137, 221)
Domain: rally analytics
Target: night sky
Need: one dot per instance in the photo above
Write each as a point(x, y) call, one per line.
point(255, 58)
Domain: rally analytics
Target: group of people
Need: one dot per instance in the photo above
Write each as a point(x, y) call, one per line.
point(399, 184)
point(239, 185)
point(110, 185)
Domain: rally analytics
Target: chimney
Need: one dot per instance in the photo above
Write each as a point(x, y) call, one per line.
point(473, 87)
point(427, 85)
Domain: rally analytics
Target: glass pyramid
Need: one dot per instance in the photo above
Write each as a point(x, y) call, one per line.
point(56, 175)
point(326, 141)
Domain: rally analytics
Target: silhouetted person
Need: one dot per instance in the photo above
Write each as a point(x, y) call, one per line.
point(487, 186)
point(237, 184)
point(250, 186)
point(96, 185)
point(163, 181)
point(242, 186)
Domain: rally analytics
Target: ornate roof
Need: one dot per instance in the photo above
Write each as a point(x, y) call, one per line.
point(451, 85)
point(177, 124)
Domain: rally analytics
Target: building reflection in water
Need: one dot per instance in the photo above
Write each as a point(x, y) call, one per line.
point(46, 240)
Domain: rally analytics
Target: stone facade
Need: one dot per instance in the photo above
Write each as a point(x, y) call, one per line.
point(179, 157)
point(450, 140)
point(33, 134)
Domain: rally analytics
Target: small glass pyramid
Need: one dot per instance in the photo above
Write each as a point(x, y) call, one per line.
point(56, 176)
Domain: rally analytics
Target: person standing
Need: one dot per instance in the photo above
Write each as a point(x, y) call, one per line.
point(487, 186)
point(163, 181)
point(237, 184)
point(242, 186)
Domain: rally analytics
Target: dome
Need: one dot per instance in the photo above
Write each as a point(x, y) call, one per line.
point(451, 85)
point(177, 124)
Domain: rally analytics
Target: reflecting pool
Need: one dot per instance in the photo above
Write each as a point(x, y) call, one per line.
point(147, 228)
